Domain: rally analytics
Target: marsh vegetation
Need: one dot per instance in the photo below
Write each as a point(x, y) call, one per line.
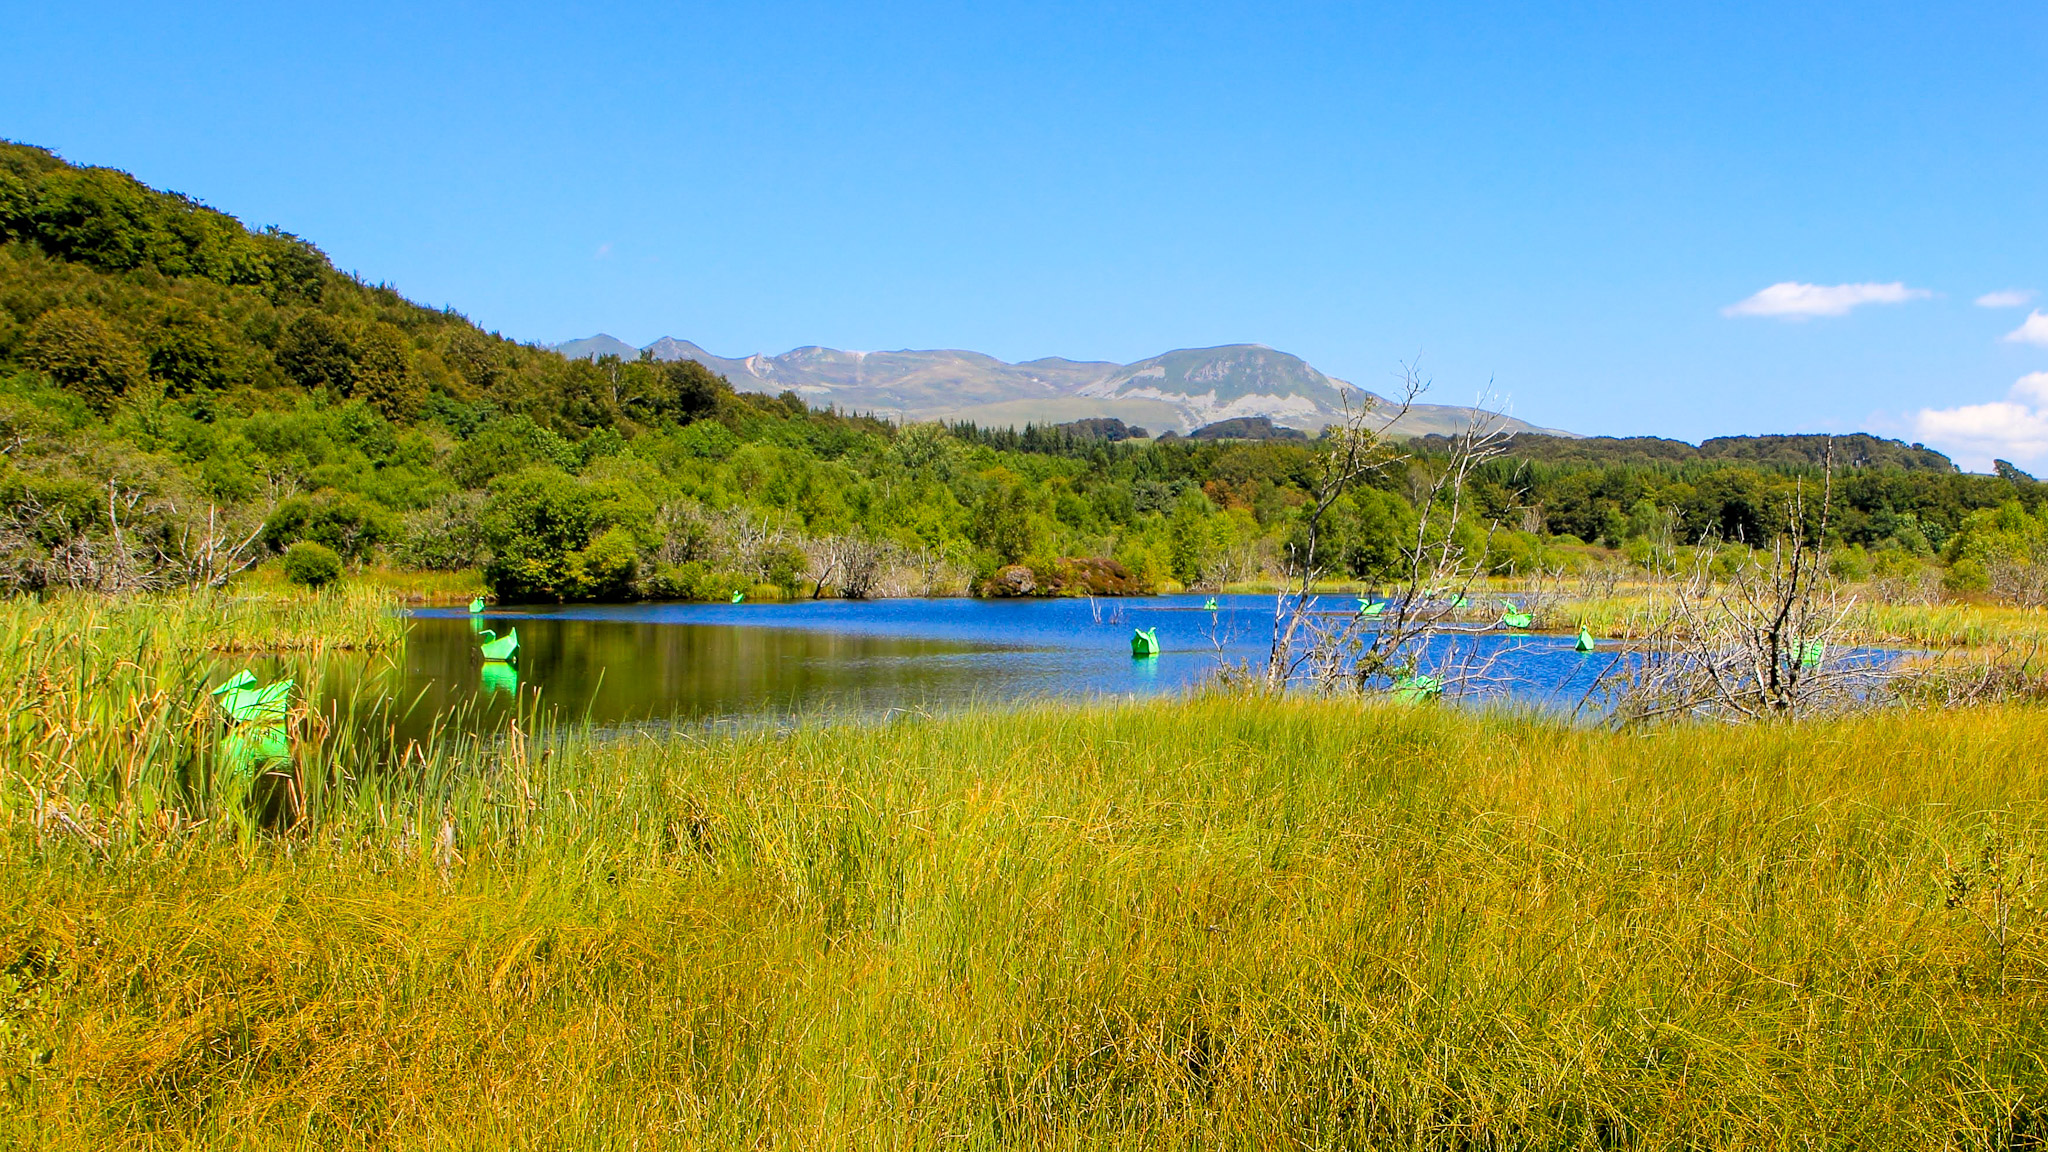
point(1235, 920)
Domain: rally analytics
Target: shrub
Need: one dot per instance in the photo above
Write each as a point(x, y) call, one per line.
point(1966, 575)
point(1852, 563)
point(341, 521)
point(604, 569)
point(311, 565)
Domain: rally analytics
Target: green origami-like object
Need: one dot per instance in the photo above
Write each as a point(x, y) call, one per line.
point(498, 647)
point(253, 747)
point(244, 702)
point(1144, 642)
point(1416, 689)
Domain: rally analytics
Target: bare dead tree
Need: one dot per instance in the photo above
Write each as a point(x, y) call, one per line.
point(1328, 650)
point(1760, 644)
point(858, 563)
point(146, 543)
point(1355, 449)
point(206, 554)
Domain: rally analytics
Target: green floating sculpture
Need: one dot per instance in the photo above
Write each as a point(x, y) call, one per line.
point(258, 737)
point(245, 703)
point(1416, 689)
point(1811, 652)
point(1371, 607)
point(1585, 643)
point(739, 597)
point(1209, 604)
point(1512, 616)
point(476, 605)
point(1144, 642)
point(500, 648)
point(249, 749)
point(500, 677)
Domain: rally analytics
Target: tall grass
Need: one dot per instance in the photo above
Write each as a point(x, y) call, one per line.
point(105, 718)
point(1208, 923)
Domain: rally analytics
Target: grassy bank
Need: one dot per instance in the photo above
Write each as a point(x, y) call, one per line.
point(105, 720)
point(1207, 924)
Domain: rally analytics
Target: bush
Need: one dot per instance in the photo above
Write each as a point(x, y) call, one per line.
point(1852, 564)
point(311, 565)
point(1966, 575)
point(692, 581)
point(341, 521)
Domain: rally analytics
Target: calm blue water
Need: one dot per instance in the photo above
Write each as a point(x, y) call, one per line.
point(631, 663)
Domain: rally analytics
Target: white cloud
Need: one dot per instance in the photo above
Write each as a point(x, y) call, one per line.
point(2032, 389)
point(2015, 428)
point(1794, 300)
point(2012, 299)
point(2034, 331)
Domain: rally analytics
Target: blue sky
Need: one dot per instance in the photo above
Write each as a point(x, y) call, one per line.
point(1572, 202)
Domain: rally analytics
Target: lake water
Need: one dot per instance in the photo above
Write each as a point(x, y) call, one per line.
point(628, 664)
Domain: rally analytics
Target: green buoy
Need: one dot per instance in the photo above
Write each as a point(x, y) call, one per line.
point(500, 648)
point(1585, 643)
point(1512, 616)
point(739, 597)
point(1209, 605)
point(1371, 607)
point(1144, 642)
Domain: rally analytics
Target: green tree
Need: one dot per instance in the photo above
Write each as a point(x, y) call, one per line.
point(349, 525)
point(84, 353)
point(1191, 543)
point(317, 351)
point(1376, 533)
point(477, 358)
point(506, 446)
point(535, 520)
point(1003, 524)
point(189, 351)
point(385, 375)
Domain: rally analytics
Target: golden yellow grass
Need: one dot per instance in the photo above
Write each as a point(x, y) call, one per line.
point(1209, 923)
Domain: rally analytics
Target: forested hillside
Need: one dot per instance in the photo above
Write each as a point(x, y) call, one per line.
point(182, 397)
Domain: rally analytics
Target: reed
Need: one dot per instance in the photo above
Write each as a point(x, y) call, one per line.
point(1213, 922)
point(105, 721)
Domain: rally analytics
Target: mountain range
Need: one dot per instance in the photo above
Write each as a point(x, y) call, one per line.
point(1178, 391)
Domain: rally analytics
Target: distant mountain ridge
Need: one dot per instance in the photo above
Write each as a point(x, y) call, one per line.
point(1178, 391)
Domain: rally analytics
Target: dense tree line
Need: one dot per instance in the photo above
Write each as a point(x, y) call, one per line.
point(180, 394)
